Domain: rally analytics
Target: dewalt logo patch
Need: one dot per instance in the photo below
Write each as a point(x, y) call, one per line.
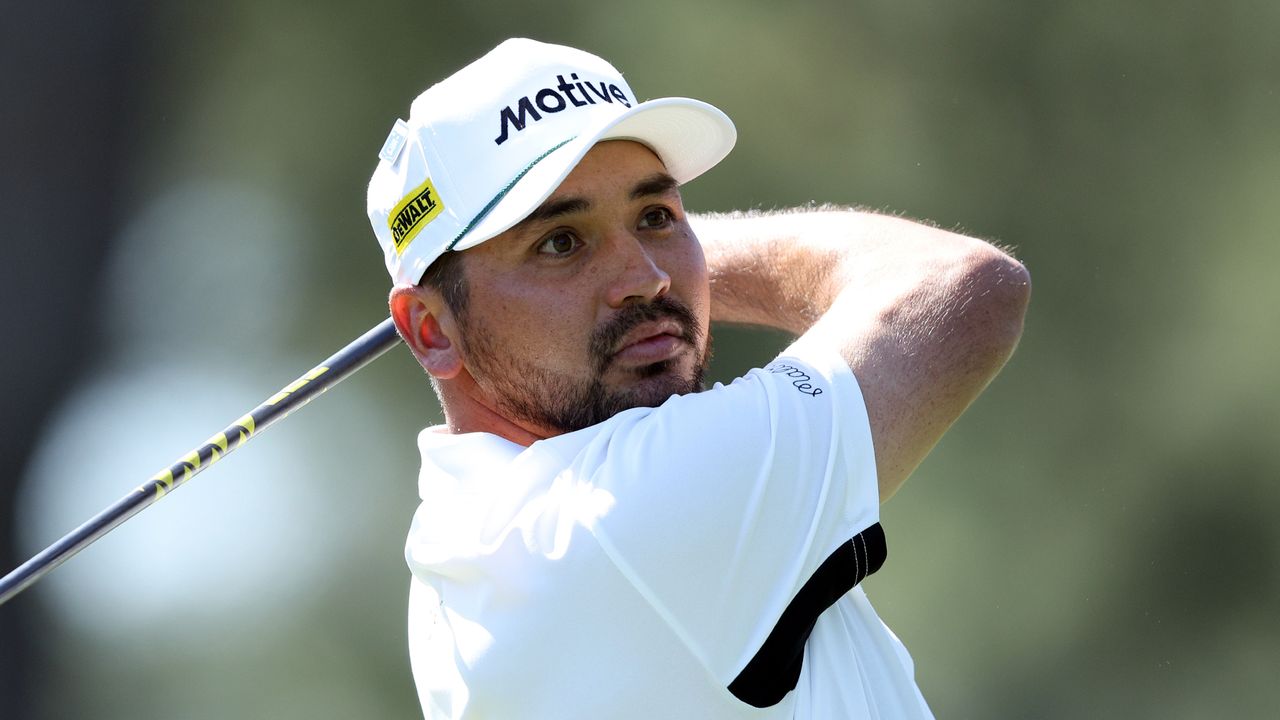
point(413, 213)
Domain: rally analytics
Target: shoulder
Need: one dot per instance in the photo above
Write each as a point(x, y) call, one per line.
point(801, 414)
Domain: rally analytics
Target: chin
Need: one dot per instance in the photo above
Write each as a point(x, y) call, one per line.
point(655, 383)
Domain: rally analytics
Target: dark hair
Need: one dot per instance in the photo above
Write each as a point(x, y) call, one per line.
point(446, 276)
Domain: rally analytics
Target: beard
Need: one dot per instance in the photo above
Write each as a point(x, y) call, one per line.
point(565, 402)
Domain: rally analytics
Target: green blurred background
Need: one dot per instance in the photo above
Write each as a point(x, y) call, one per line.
point(184, 233)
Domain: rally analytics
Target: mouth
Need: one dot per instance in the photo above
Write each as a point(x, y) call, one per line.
point(649, 343)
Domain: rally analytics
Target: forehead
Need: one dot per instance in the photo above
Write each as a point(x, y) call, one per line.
point(613, 173)
point(612, 162)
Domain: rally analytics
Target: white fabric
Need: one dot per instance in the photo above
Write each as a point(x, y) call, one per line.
point(494, 140)
point(632, 569)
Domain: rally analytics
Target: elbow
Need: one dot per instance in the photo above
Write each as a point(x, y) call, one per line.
point(987, 305)
point(995, 291)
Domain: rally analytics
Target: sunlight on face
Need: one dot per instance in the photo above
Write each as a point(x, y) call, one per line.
point(596, 303)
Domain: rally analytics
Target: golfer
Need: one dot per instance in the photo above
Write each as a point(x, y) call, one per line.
point(600, 536)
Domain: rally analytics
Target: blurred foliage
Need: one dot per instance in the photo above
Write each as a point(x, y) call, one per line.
point(1093, 539)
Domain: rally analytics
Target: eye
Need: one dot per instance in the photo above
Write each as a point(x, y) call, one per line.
point(655, 218)
point(558, 243)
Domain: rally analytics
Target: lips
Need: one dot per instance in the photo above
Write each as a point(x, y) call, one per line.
point(641, 335)
point(650, 342)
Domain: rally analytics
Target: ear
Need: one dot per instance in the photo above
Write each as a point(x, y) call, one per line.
point(417, 315)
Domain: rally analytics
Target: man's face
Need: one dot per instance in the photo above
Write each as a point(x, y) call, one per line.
point(597, 302)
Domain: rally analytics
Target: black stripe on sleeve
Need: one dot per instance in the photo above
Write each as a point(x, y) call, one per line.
point(775, 669)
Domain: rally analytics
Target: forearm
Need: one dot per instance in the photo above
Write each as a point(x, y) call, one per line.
point(786, 270)
point(924, 317)
point(767, 270)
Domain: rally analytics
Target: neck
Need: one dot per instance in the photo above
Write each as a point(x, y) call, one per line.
point(467, 409)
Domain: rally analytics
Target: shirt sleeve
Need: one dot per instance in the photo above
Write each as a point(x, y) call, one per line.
point(728, 501)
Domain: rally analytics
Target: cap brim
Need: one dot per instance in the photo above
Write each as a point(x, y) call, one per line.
point(689, 136)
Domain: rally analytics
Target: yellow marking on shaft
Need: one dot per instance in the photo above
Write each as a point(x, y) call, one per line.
point(165, 481)
point(247, 425)
point(297, 385)
point(159, 484)
point(164, 478)
point(215, 443)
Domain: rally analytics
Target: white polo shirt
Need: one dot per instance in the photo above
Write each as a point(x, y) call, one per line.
point(695, 560)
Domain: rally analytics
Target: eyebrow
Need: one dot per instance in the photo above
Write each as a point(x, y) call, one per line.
point(557, 207)
point(656, 184)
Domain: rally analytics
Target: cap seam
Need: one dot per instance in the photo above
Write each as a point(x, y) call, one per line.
point(484, 211)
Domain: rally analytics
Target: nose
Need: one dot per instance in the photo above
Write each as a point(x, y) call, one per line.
point(638, 278)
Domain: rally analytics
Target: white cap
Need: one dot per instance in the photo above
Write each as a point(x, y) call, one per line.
point(486, 146)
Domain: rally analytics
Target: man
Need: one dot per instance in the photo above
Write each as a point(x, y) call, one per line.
point(599, 537)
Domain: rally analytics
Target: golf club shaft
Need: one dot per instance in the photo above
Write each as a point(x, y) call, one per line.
point(341, 364)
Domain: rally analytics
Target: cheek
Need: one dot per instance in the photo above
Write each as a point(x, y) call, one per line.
point(689, 276)
point(539, 325)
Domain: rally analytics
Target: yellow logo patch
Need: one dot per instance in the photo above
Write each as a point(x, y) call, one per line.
point(413, 213)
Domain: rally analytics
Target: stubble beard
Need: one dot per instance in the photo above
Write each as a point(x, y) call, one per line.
point(564, 402)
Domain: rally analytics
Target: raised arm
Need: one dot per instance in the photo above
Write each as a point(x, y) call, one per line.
point(924, 317)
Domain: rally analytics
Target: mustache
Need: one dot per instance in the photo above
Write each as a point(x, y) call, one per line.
point(607, 336)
